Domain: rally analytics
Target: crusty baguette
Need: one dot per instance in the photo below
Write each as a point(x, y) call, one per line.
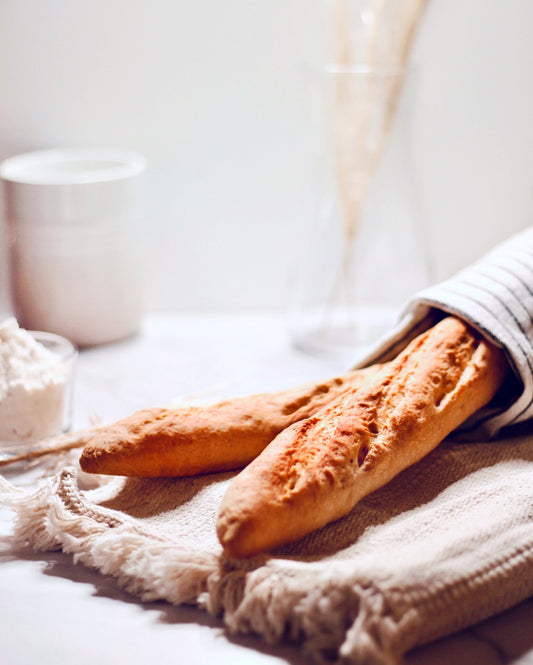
point(222, 436)
point(315, 471)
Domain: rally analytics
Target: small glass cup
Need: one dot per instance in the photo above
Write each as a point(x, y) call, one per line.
point(42, 407)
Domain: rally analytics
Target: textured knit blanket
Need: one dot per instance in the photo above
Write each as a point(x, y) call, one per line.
point(446, 544)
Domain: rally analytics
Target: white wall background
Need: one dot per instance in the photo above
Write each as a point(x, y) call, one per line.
point(212, 93)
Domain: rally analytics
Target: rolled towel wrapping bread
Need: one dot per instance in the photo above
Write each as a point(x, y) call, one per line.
point(223, 436)
point(495, 296)
point(316, 470)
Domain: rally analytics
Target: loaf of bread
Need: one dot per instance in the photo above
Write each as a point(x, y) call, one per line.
point(223, 436)
point(316, 470)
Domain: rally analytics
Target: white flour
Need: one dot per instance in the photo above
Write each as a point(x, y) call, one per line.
point(32, 386)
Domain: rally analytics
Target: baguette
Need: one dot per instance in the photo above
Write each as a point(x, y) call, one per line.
point(219, 437)
point(316, 470)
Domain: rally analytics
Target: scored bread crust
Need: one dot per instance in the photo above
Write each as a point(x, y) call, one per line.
point(201, 439)
point(315, 471)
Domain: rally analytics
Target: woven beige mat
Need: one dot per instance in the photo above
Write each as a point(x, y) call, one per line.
point(446, 544)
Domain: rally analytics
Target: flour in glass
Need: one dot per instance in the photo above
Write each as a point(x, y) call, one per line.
point(32, 386)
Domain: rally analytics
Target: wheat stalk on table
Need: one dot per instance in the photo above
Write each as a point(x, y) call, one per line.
point(49, 446)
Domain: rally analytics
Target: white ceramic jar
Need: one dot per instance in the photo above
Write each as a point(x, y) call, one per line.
point(73, 219)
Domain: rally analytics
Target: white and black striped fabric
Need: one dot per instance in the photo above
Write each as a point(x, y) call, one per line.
point(495, 295)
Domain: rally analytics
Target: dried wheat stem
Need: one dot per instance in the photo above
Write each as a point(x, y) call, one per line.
point(353, 111)
point(49, 446)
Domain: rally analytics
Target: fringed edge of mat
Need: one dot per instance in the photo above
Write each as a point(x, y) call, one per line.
point(337, 614)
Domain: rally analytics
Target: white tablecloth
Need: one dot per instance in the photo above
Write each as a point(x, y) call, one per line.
point(53, 611)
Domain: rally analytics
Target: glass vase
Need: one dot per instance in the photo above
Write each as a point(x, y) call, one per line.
point(363, 253)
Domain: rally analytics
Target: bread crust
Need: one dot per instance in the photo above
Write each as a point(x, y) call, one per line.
point(219, 437)
point(316, 470)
